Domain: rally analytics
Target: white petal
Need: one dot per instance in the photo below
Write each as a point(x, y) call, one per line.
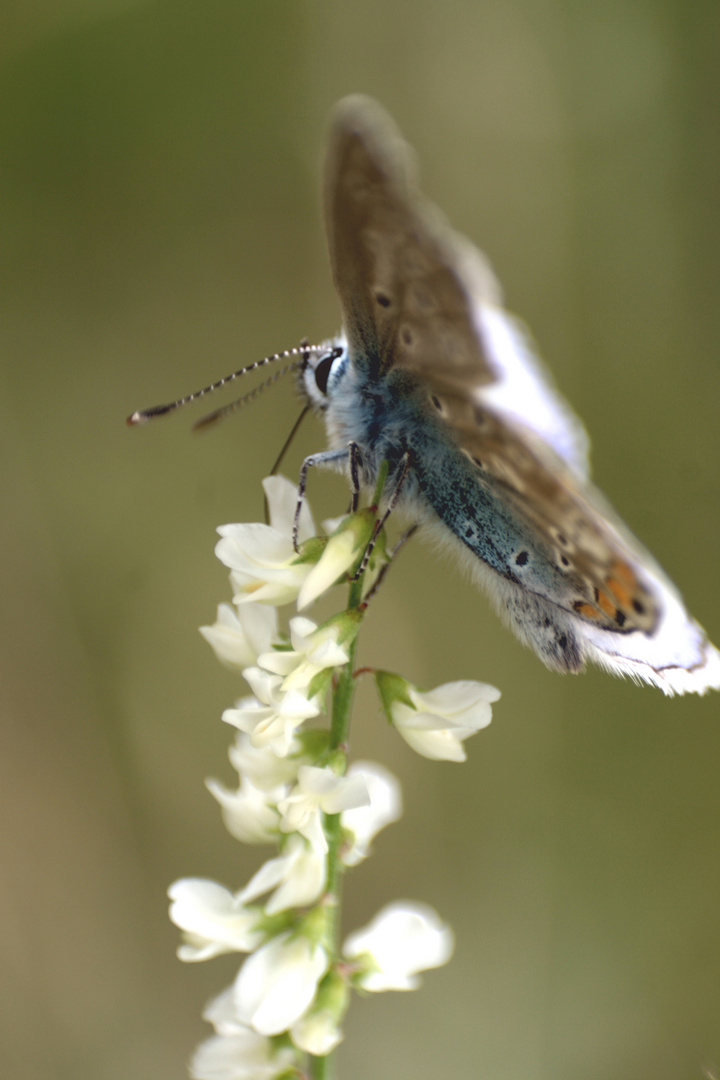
point(317, 1033)
point(262, 562)
point(404, 938)
point(220, 1011)
point(268, 689)
point(213, 919)
point(249, 814)
point(252, 548)
point(276, 588)
point(421, 733)
point(444, 717)
point(339, 555)
point(271, 721)
point(465, 702)
point(279, 661)
point(298, 876)
point(332, 793)
point(243, 1056)
point(365, 822)
point(278, 983)
point(319, 790)
point(300, 630)
point(282, 497)
point(300, 814)
point(318, 644)
point(260, 765)
point(238, 637)
point(304, 885)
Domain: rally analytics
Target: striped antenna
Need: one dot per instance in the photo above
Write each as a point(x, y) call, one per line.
point(215, 417)
point(142, 416)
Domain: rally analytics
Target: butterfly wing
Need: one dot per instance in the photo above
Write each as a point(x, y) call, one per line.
point(417, 297)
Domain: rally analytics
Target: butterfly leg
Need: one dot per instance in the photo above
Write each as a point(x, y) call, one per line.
point(402, 476)
point(355, 463)
point(327, 457)
point(391, 558)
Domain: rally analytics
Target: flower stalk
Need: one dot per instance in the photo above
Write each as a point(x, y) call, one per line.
point(282, 1016)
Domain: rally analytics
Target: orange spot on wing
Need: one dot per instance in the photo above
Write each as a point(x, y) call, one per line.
point(622, 574)
point(589, 612)
point(606, 604)
point(621, 594)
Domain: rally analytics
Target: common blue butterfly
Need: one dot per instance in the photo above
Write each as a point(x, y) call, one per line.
point(430, 371)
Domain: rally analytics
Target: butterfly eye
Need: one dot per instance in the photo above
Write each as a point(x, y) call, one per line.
point(322, 373)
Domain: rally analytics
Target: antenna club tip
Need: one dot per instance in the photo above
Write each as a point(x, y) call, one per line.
point(135, 419)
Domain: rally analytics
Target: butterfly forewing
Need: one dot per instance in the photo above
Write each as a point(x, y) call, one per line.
point(396, 264)
point(411, 290)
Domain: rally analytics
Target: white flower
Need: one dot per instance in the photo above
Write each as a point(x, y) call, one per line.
point(337, 558)
point(278, 983)
point(436, 723)
point(403, 939)
point(244, 1056)
point(319, 791)
point(317, 1033)
point(213, 920)
point(313, 650)
point(342, 553)
point(260, 764)
point(298, 877)
point(365, 822)
point(236, 1052)
point(220, 1011)
point(238, 637)
point(250, 813)
point(263, 563)
point(273, 716)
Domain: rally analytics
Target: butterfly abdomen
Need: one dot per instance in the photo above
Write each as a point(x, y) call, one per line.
point(507, 562)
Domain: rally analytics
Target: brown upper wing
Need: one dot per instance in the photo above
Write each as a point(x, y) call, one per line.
point(398, 268)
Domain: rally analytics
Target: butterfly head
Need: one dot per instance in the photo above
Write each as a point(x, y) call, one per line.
point(321, 371)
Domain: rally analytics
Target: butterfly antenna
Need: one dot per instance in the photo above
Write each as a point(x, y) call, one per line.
point(288, 441)
point(142, 416)
point(278, 462)
point(215, 417)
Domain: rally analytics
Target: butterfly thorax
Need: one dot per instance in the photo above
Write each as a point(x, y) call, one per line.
point(378, 415)
point(393, 416)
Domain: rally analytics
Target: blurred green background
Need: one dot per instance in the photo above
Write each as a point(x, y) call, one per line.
point(160, 217)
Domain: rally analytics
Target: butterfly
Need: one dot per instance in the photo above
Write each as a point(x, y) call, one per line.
point(432, 375)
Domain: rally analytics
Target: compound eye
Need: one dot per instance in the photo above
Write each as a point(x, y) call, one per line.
point(322, 373)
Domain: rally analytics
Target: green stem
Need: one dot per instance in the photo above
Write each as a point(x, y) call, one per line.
point(322, 1068)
